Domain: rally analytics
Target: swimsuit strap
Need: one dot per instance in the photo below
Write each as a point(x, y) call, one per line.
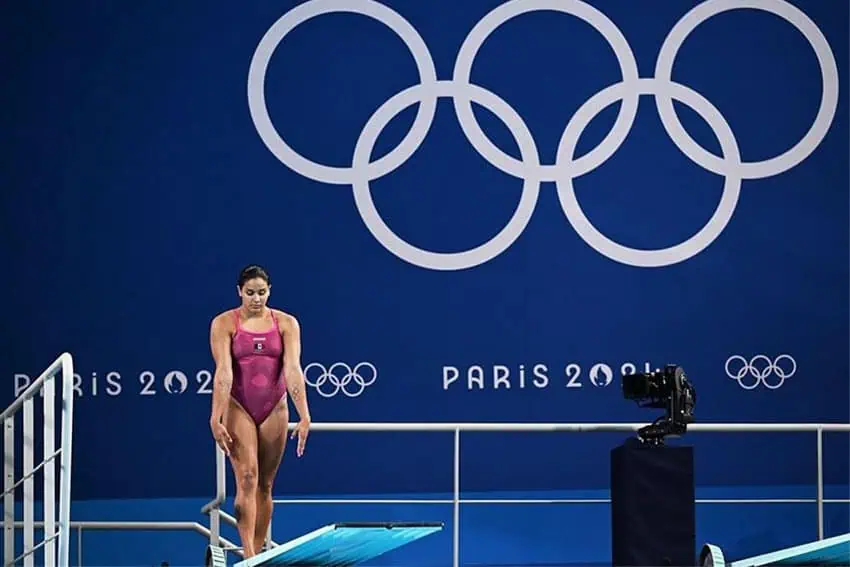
point(239, 325)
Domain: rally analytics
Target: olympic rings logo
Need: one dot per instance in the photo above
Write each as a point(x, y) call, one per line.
point(529, 169)
point(340, 377)
point(759, 370)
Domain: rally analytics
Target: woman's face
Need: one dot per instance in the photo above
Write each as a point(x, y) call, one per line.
point(255, 293)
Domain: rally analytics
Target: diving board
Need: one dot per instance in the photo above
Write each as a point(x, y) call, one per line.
point(342, 544)
point(829, 551)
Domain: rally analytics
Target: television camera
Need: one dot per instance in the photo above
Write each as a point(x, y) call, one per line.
point(669, 389)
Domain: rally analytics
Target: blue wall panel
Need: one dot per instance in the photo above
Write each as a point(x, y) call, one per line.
point(150, 153)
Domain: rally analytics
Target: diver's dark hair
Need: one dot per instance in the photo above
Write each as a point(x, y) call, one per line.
point(253, 271)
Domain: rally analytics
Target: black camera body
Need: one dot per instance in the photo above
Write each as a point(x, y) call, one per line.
point(667, 388)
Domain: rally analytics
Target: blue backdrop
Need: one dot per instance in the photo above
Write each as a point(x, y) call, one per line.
point(494, 209)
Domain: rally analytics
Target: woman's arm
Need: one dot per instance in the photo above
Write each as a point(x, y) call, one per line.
point(295, 382)
point(220, 344)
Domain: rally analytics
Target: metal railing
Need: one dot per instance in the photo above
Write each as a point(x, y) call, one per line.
point(136, 526)
point(213, 508)
point(216, 514)
point(53, 530)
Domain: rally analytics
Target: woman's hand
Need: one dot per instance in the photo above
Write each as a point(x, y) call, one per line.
point(221, 436)
point(302, 430)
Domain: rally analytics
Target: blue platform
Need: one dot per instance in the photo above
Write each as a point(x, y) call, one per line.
point(830, 551)
point(343, 544)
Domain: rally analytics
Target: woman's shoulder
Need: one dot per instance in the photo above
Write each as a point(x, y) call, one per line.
point(284, 319)
point(225, 319)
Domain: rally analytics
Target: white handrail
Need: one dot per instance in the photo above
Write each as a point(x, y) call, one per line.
point(568, 427)
point(53, 531)
point(213, 507)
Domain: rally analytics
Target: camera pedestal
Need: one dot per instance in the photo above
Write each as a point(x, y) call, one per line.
point(652, 505)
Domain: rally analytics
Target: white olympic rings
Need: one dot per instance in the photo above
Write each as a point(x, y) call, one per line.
point(529, 169)
point(761, 367)
point(340, 383)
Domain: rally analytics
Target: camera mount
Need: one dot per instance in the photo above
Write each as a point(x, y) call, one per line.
point(668, 389)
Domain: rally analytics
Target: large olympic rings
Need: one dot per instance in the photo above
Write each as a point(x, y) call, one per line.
point(529, 169)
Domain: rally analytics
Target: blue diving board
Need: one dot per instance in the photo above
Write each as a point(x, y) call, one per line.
point(343, 544)
point(829, 551)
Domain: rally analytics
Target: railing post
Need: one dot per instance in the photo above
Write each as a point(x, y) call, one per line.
point(66, 459)
point(49, 475)
point(29, 488)
point(220, 489)
point(456, 504)
point(820, 482)
point(268, 540)
point(9, 497)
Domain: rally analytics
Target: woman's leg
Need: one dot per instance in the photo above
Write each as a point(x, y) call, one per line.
point(271, 441)
point(243, 457)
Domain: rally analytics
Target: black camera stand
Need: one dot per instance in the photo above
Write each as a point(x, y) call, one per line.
point(652, 505)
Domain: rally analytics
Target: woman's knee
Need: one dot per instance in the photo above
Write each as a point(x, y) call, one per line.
point(247, 477)
point(265, 484)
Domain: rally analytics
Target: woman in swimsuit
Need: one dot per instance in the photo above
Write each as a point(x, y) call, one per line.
point(257, 352)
